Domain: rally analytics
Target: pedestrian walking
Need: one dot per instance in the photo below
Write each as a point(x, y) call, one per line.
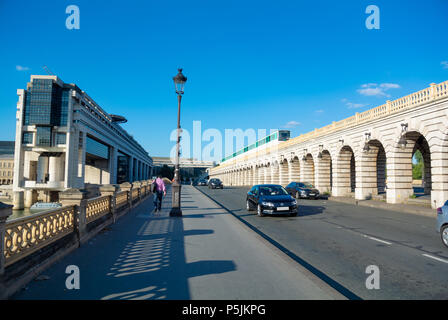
point(159, 190)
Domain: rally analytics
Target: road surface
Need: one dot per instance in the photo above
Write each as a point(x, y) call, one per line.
point(341, 240)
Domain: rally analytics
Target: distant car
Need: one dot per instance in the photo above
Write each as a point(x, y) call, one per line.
point(202, 182)
point(442, 223)
point(302, 190)
point(215, 184)
point(271, 198)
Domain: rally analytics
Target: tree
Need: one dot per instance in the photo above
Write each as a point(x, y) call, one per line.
point(417, 165)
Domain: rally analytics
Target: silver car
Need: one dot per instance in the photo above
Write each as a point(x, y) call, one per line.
point(442, 223)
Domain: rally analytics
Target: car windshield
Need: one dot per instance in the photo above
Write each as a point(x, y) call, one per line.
point(272, 191)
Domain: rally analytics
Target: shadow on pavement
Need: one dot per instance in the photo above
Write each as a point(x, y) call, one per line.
point(154, 265)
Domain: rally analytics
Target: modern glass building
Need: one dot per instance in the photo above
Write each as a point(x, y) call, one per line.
point(7, 147)
point(65, 140)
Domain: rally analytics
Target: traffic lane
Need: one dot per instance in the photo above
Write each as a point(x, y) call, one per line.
point(410, 230)
point(343, 253)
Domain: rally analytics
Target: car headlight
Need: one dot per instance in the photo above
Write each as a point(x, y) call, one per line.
point(267, 204)
point(302, 191)
point(294, 202)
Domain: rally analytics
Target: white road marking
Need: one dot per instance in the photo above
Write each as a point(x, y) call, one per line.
point(379, 240)
point(435, 258)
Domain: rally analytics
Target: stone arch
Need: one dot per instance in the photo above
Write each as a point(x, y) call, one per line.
point(399, 168)
point(344, 182)
point(324, 172)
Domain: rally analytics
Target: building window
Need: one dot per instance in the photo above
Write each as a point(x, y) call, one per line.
point(27, 138)
point(61, 138)
point(97, 148)
point(43, 136)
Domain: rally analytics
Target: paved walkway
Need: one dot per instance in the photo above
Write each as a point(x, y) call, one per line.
point(206, 254)
point(413, 208)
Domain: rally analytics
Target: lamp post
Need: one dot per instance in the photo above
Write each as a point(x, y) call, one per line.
point(179, 83)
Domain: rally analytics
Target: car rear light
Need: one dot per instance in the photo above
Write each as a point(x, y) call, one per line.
point(439, 210)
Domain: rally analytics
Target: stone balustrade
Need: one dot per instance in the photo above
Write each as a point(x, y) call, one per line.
point(30, 244)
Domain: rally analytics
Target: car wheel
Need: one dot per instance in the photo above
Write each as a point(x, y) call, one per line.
point(259, 211)
point(248, 206)
point(444, 235)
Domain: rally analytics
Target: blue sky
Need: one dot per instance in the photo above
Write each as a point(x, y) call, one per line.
point(250, 64)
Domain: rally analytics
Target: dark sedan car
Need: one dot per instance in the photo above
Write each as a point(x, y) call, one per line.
point(302, 190)
point(271, 198)
point(215, 183)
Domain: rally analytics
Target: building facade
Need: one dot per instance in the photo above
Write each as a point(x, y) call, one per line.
point(7, 147)
point(65, 140)
point(6, 169)
point(189, 168)
point(365, 156)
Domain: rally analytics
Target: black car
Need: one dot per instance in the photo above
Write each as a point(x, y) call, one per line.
point(215, 183)
point(271, 198)
point(302, 190)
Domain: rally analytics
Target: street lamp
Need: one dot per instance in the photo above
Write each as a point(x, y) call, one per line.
point(402, 142)
point(179, 83)
point(366, 147)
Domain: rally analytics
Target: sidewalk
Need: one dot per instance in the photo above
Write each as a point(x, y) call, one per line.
point(206, 254)
point(408, 208)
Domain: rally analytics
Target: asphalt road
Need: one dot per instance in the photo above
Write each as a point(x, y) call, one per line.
point(341, 240)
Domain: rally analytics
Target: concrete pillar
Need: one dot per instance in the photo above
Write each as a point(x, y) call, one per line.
point(82, 159)
point(267, 174)
point(323, 173)
point(341, 181)
point(55, 169)
point(275, 173)
point(366, 175)
point(131, 169)
point(126, 186)
point(42, 166)
point(439, 174)
point(110, 190)
point(284, 173)
point(18, 200)
point(307, 170)
point(30, 197)
point(399, 174)
point(113, 161)
point(250, 177)
point(294, 170)
point(137, 185)
point(77, 198)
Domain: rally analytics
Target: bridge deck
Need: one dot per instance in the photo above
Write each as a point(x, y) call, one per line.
point(206, 254)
